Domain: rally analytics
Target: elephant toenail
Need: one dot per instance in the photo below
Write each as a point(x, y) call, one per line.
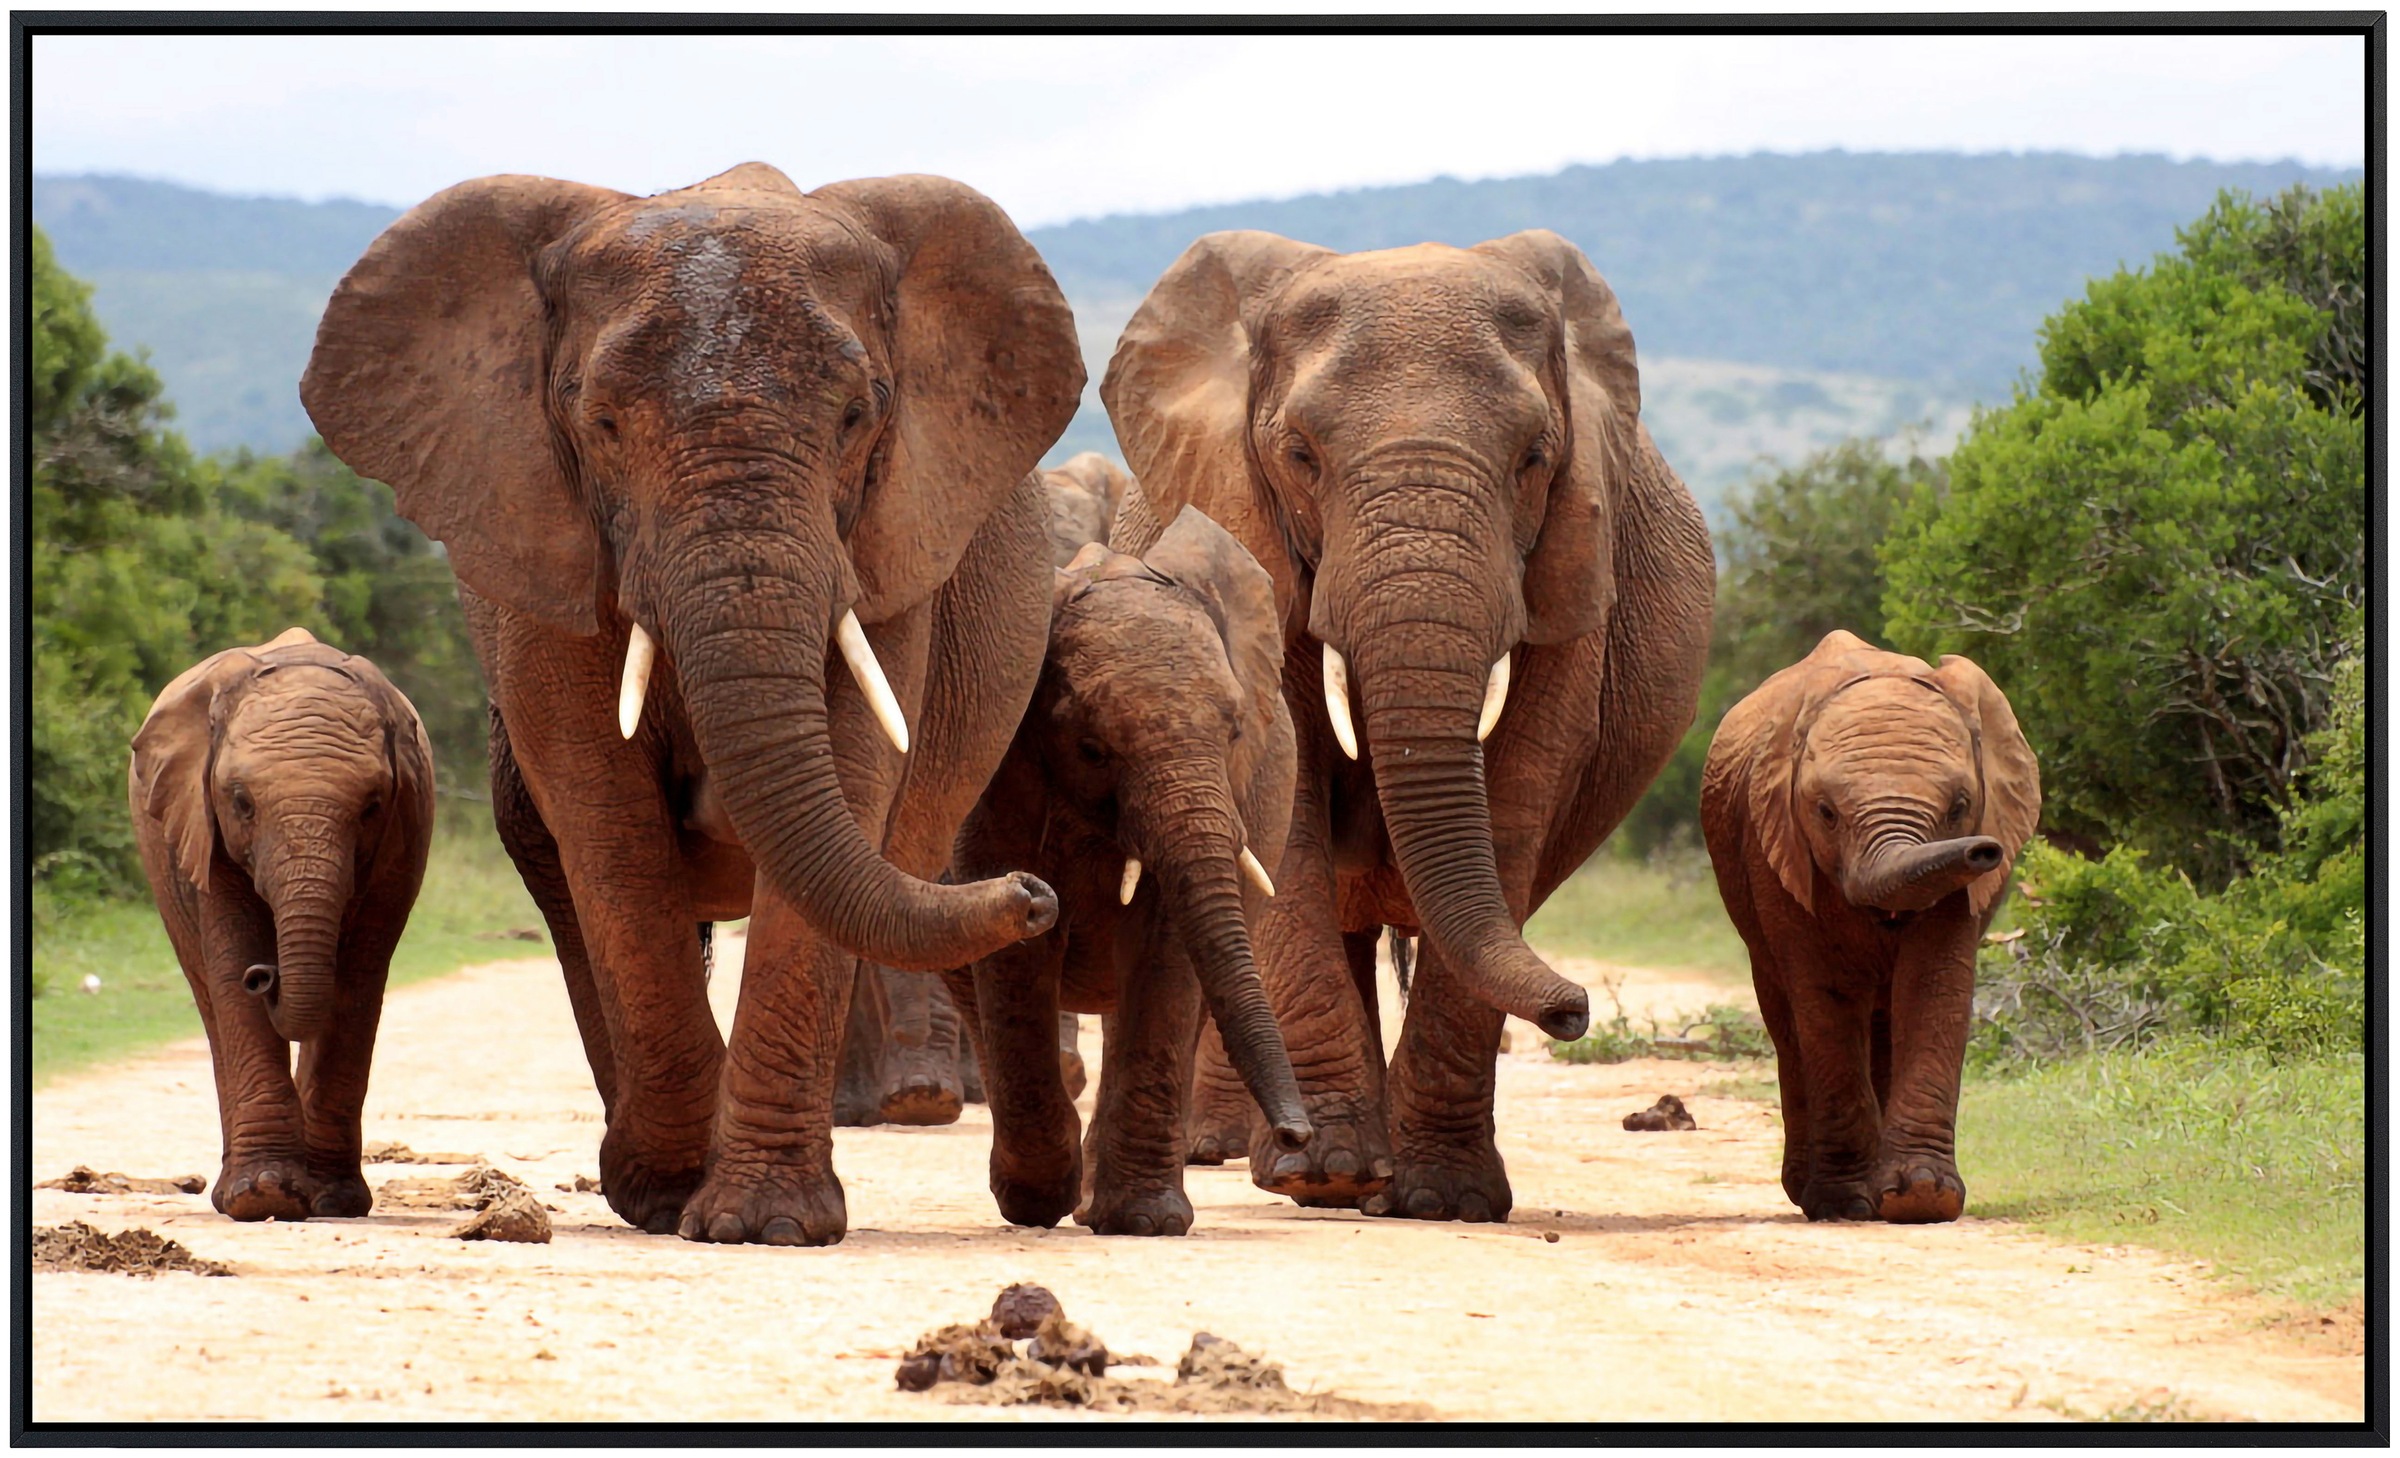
point(1291, 1165)
point(1341, 1164)
point(1381, 1168)
point(725, 1228)
point(1472, 1207)
point(1137, 1225)
point(1376, 1204)
point(664, 1222)
point(1424, 1203)
point(688, 1228)
point(782, 1230)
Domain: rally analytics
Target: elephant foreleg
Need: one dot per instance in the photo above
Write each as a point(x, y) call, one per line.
point(333, 1081)
point(1833, 1012)
point(1037, 1159)
point(1443, 1080)
point(1224, 1118)
point(265, 1171)
point(770, 1156)
point(1933, 998)
point(1134, 1156)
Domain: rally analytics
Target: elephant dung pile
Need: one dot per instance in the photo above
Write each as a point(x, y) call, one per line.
point(1667, 1115)
point(505, 1209)
point(1063, 1365)
point(76, 1246)
point(389, 1152)
point(84, 1180)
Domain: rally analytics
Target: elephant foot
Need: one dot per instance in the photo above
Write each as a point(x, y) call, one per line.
point(1920, 1192)
point(263, 1187)
point(757, 1204)
point(1456, 1184)
point(1837, 1200)
point(902, 1085)
point(970, 1071)
point(1348, 1161)
point(647, 1193)
point(1039, 1202)
point(1149, 1211)
point(922, 1100)
point(341, 1196)
point(1222, 1123)
point(1071, 1071)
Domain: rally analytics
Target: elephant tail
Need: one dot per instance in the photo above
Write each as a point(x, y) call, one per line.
point(708, 950)
point(1404, 959)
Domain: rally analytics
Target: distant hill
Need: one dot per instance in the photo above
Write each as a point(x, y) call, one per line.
point(1780, 302)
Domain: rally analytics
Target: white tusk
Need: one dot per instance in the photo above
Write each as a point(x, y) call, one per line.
point(871, 681)
point(640, 653)
point(1495, 695)
point(1133, 878)
point(1337, 701)
point(1257, 873)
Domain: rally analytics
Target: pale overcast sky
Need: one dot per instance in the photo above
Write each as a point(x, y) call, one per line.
point(1072, 126)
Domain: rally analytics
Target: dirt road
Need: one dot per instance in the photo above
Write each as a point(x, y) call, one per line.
point(1680, 1285)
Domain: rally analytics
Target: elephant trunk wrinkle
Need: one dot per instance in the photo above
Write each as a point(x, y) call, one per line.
point(308, 902)
point(1207, 894)
point(1909, 874)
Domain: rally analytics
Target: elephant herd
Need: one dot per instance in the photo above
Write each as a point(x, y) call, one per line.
point(1397, 613)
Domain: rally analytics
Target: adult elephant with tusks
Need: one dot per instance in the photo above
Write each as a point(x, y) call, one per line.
point(1495, 602)
point(736, 484)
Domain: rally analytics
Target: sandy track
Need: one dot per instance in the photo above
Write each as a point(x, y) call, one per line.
point(1681, 1285)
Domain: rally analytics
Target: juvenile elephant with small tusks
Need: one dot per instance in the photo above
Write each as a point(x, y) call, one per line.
point(1863, 810)
point(282, 801)
point(1493, 596)
point(907, 1057)
point(1152, 769)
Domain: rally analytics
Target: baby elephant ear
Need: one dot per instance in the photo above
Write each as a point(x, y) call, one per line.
point(172, 752)
point(1204, 558)
point(408, 751)
point(2012, 781)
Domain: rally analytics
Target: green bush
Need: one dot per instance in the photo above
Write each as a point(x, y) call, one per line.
point(2159, 549)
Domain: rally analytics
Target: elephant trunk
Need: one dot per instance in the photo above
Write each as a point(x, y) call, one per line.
point(1910, 875)
point(308, 890)
point(1196, 841)
point(748, 628)
point(1424, 617)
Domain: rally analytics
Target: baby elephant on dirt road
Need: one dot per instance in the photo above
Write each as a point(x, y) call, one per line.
point(1151, 784)
point(283, 801)
point(1863, 811)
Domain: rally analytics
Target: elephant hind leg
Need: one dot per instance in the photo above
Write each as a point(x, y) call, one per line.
point(1224, 1118)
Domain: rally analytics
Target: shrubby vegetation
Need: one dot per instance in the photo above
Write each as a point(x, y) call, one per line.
point(147, 559)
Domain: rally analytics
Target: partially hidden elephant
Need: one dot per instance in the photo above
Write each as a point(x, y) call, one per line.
point(737, 483)
point(282, 800)
point(1150, 783)
point(1863, 810)
point(1495, 600)
point(907, 1057)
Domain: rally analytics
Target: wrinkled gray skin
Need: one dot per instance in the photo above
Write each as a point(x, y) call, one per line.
point(282, 801)
point(1862, 810)
point(1158, 733)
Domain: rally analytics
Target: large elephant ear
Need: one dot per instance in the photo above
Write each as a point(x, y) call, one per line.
point(407, 751)
point(428, 375)
point(1570, 578)
point(1178, 389)
point(988, 375)
point(174, 748)
point(1760, 744)
point(2012, 781)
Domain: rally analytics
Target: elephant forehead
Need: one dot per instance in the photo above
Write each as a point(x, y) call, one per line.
point(303, 710)
point(1417, 286)
point(1895, 720)
point(1136, 650)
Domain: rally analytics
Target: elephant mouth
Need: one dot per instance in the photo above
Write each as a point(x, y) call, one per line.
point(1894, 920)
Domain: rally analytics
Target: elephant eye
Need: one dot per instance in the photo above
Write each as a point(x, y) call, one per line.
point(606, 422)
point(1092, 751)
point(1825, 812)
point(1534, 461)
point(372, 808)
point(1301, 457)
point(856, 412)
point(242, 806)
point(1958, 807)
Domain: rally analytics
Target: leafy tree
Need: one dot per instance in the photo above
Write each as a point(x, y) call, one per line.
point(2159, 548)
point(1796, 561)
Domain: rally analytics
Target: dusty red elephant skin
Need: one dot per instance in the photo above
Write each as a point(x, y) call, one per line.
point(1156, 754)
point(282, 800)
point(1862, 811)
point(784, 440)
point(1437, 454)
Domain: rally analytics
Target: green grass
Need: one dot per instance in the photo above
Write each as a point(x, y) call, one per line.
point(471, 902)
point(2229, 1155)
point(2255, 1163)
point(1662, 912)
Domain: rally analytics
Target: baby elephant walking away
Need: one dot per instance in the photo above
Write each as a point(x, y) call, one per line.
point(1863, 810)
point(283, 801)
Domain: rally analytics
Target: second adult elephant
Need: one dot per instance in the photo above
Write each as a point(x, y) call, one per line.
point(736, 484)
point(1495, 598)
